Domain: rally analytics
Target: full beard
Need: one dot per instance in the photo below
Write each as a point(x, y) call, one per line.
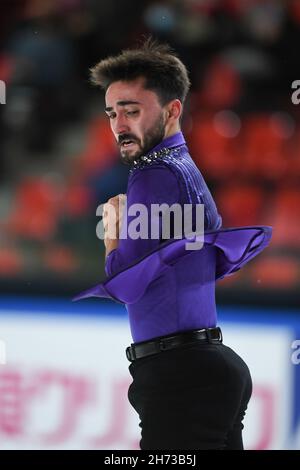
point(151, 138)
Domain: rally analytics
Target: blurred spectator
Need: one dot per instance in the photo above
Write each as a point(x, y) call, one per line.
point(43, 81)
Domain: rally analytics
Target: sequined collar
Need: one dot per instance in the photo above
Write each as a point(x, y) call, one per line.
point(156, 156)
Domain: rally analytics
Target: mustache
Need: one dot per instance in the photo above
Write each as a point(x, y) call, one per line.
point(127, 137)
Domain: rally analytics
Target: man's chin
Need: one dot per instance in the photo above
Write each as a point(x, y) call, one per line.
point(127, 156)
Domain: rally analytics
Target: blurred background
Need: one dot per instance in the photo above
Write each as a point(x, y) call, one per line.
point(65, 374)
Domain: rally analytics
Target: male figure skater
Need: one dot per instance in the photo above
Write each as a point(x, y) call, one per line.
point(189, 389)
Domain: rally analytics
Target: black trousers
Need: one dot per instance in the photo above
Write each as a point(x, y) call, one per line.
point(192, 397)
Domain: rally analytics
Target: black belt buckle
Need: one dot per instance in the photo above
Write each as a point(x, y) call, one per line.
point(210, 338)
point(220, 335)
point(130, 354)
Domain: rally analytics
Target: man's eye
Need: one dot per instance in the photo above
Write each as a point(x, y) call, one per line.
point(131, 113)
point(112, 116)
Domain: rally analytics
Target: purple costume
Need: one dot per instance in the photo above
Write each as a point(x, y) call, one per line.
point(165, 287)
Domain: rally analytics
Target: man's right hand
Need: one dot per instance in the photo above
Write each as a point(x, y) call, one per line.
point(113, 211)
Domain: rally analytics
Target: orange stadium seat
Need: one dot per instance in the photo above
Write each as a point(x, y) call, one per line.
point(36, 208)
point(11, 262)
point(265, 142)
point(274, 272)
point(293, 157)
point(215, 154)
point(101, 150)
point(220, 86)
point(240, 204)
point(284, 217)
point(60, 259)
point(77, 201)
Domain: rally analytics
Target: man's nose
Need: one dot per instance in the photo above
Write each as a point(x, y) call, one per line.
point(121, 126)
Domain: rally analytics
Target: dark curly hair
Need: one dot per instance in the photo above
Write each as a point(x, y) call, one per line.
point(163, 71)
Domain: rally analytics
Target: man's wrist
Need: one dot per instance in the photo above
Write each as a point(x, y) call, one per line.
point(111, 245)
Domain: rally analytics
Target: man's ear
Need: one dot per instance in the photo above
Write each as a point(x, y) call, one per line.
point(174, 109)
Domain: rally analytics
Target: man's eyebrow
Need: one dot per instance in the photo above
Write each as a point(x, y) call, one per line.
point(122, 103)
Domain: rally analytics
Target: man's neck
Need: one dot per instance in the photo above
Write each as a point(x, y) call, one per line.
point(174, 129)
point(173, 140)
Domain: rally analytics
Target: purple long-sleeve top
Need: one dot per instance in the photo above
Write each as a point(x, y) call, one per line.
point(182, 298)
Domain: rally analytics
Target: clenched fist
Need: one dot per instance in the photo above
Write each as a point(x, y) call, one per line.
point(113, 211)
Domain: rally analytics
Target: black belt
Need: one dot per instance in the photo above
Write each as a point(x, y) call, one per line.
point(165, 343)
